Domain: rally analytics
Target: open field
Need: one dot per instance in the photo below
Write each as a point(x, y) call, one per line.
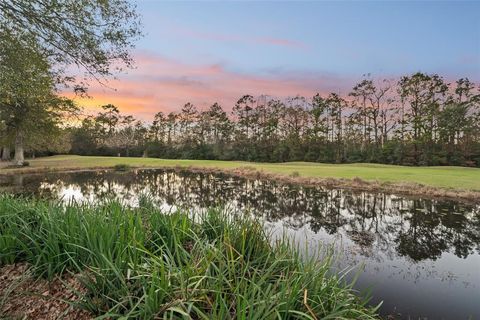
point(138, 264)
point(441, 177)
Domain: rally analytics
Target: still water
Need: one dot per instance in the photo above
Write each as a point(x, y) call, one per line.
point(420, 257)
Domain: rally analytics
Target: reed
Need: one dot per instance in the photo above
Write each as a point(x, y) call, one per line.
point(140, 263)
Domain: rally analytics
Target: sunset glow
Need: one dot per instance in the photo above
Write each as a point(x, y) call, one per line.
point(213, 52)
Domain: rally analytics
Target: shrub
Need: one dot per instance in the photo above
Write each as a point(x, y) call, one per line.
point(295, 174)
point(121, 167)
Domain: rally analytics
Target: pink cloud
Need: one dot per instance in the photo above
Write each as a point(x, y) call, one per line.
point(162, 84)
point(282, 42)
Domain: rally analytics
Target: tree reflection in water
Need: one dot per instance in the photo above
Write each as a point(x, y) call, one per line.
point(415, 228)
point(420, 256)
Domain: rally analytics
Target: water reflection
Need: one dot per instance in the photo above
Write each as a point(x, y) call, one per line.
point(411, 248)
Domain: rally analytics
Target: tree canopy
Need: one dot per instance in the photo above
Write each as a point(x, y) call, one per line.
point(94, 35)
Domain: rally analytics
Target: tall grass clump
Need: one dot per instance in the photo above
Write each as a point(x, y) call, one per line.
point(139, 263)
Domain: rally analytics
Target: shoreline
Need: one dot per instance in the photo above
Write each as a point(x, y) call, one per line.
point(355, 184)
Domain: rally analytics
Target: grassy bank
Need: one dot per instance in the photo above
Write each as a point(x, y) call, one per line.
point(455, 183)
point(441, 177)
point(139, 263)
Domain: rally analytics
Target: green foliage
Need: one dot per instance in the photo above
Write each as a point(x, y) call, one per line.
point(92, 35)
point(142, 264)
point(30, 109)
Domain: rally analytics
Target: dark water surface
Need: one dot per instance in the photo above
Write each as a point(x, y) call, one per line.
point(421, 257)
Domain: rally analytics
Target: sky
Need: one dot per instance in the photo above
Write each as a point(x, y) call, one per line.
point(205, 52)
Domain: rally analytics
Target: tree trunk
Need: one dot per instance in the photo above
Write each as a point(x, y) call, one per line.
point(6, 154)
point(19, 151)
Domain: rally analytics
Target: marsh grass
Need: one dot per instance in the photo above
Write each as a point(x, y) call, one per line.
point(139, 263)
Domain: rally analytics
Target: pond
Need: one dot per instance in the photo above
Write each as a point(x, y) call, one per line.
point(420, 257)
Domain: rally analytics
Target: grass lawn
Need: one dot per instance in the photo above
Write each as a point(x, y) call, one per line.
point(444, 177)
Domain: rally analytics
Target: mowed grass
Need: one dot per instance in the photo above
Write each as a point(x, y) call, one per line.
point(444, 177)
point(138, 263)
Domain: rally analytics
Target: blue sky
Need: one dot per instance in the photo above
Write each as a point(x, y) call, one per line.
point(349, 38)
point(204, 52)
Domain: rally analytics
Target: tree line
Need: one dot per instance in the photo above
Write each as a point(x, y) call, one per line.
point(418, 120)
